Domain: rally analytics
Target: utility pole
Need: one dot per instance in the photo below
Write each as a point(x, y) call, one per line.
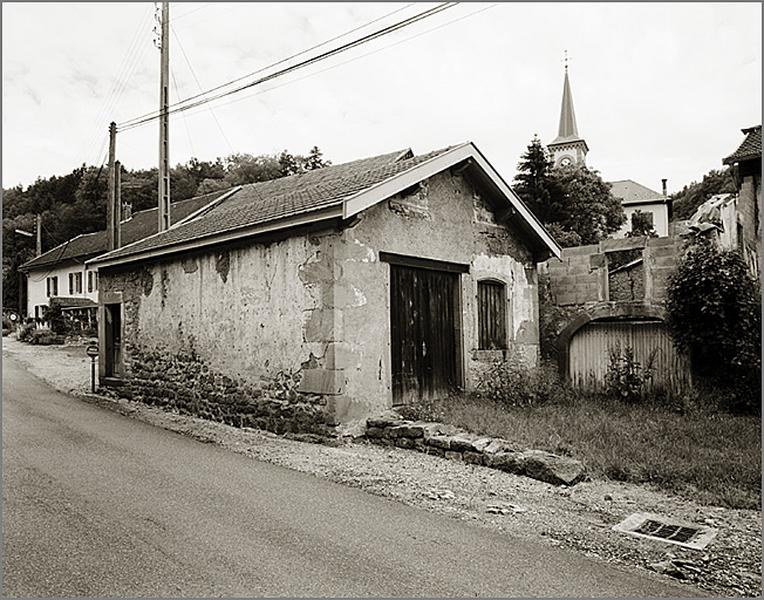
point(164, 129)
point(117, 204)
point(38, 247)
point(111, 188)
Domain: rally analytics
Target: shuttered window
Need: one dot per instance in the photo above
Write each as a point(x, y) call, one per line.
point(492, 315)
point(71, 283)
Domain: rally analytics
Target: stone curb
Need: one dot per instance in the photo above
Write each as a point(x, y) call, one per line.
point(448, 442)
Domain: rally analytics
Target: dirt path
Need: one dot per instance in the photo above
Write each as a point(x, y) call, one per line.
point(580, 517)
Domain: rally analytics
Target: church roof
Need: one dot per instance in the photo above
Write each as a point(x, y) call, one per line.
point(631, 192)
point(568, 131)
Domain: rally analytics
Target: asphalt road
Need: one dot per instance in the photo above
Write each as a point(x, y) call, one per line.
point(97, 504)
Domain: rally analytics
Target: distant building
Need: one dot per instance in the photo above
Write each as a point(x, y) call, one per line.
point(637, 197)
point(60, 275)
point(746, 165)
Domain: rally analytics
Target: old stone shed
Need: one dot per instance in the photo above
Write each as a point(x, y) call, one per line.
point(327, 296)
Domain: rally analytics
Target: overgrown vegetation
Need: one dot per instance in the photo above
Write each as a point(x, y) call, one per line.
point(627, 378)
point(642, 225)
point(714, 313)
point(684, 445)
point(574, 203)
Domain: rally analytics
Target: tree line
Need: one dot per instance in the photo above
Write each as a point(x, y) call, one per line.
point(75, 203)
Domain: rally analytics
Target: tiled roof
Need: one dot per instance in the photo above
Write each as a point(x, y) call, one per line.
point(142, 224)
point(750, 149)
point(266, 201)
point(630, 192)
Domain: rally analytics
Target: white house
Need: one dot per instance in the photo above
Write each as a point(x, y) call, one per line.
point(636, 197)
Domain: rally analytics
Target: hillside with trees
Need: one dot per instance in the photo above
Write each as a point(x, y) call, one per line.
point(691, 196)
point(75, 203)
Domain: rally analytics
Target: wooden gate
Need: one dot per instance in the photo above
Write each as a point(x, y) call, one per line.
point(425, 334)
point(590, 347)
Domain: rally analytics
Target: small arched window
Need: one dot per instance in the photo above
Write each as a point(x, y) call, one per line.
point(492, 315)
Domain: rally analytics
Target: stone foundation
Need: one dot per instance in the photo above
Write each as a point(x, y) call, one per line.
point(184, 383)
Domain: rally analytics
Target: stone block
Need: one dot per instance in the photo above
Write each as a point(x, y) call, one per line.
point(551, 468)
point(451, 455)
point(435, 451)
point(439, 441)
point(474, 458)
point(323, 325)
point(383, 422)
point(339, 355)
point(462, 443)
point(404, 442)
point(322, 381)
point(508, 461)
point(497, 445)
point(374, 432)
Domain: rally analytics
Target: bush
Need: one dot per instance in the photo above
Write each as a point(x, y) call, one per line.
point(24, 333)
point(626, 377)
point(512, 382)
point(714, 313)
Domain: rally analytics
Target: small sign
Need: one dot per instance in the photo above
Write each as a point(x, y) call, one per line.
point(92, 351)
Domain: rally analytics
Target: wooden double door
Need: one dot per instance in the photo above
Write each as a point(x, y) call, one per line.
point(425, 332)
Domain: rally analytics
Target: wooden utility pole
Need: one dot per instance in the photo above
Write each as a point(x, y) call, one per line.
point(164, 118)
point(111, 188)
point(38, 246)
point(117, 204)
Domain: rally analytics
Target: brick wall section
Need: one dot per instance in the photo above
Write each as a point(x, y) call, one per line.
point(578, 282)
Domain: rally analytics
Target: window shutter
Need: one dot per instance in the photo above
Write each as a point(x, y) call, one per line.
point(492, 318)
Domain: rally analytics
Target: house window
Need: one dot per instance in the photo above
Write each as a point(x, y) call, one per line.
point(90, 281)
point(647, 218)
point(95, 281)
point(52, 286)
point(78, 283)
point(71, 283)
point(492, 315)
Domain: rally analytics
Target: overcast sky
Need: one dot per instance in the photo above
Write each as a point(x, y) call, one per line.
point(660, 90)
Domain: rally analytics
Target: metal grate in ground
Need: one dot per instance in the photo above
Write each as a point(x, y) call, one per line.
point(663, 529)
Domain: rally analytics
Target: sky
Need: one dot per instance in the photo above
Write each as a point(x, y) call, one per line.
point(660, 90)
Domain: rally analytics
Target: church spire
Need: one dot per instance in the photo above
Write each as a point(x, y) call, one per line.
point(568, 129)
point(568, 147)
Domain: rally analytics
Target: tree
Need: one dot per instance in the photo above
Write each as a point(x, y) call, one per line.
point(315, 160)
point(687, 201)
point(533, 181)
point(642, 225)
point(714, 314)
point(573, 202)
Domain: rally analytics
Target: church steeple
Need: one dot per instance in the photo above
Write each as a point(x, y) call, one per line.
point(568, 147)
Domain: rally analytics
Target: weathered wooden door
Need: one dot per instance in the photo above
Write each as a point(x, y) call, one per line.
point(424, 333)
point(113, 315)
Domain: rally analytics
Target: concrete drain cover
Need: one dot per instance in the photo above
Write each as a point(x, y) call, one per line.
point(657, 527)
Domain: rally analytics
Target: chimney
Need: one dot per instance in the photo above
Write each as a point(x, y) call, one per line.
point(663, 181)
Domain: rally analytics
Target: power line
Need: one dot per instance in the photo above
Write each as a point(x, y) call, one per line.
point(283, 60)
point(323, 56)
point(375, 51)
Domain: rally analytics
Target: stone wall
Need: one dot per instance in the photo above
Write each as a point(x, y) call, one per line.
point(228, 335)
point(455, 444)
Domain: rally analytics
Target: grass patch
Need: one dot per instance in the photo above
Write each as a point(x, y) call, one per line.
point(711, 457)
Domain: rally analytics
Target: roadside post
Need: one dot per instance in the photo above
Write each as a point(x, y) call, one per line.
point(92, 352)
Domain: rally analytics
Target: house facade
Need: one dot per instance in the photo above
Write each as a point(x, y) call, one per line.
point(328, 296)
point(637, 197)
